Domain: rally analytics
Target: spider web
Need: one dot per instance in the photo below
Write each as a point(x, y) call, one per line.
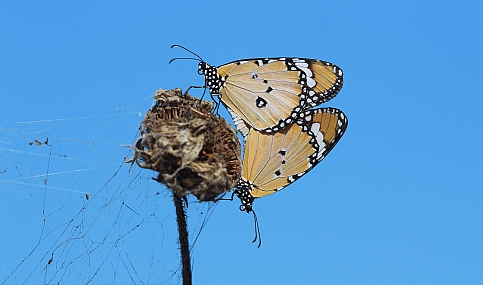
point(72, 212)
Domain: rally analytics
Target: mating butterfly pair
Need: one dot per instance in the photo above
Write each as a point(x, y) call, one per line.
point(270, 101)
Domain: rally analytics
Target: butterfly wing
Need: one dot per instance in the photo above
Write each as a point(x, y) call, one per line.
point(273, 161)
point(270, 93)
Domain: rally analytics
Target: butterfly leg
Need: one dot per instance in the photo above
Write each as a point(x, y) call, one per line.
point(216, 101)
point(222, 198)
point(204, 87)
point(195, 87)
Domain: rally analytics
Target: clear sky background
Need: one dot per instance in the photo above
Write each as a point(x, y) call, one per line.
point(398, 201)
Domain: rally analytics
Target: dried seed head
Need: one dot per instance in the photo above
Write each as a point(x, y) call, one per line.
point(193, 151)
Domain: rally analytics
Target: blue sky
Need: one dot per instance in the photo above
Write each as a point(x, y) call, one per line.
point(398, 201)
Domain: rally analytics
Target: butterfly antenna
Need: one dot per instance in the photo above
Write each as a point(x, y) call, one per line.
point(187, 51)
point(257, 230)
point(176, 58)
point(190, 58)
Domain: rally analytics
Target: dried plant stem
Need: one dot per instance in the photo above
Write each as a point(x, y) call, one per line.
point(183, 240)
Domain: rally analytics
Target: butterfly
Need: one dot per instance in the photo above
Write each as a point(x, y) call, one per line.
point(272, 161)
point(270, 93)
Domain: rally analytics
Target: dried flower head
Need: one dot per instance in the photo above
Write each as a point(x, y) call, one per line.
point(193, 151)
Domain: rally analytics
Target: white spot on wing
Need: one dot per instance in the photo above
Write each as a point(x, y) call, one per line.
point(311, 82)
point(304, 67)
point(239, 123)
point(301, 64)
point(320, 140)
point(316, 130)
point(321, 152)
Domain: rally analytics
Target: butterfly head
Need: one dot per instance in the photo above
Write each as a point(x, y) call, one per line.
point(203, 67)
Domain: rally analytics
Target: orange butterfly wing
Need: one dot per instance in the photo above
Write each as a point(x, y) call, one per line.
point(269, 93)
point(273, 161)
